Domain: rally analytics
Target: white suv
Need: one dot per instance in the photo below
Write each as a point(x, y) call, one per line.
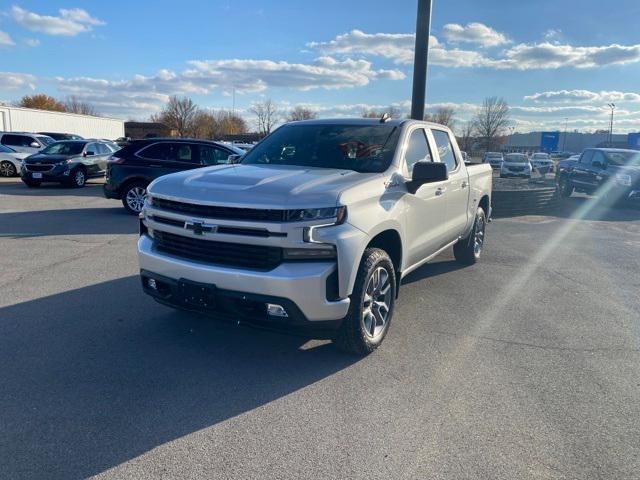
point(25, 142)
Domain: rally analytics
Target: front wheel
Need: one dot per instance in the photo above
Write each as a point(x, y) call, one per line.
point(372, 303)
point(564, 188)
point(7, 169)
point(77, 178)
point(468, 250)
point(133, 197)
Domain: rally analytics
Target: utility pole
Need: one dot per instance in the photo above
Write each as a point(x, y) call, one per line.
point(564, 136)
point(420, 61)
point(612, 106)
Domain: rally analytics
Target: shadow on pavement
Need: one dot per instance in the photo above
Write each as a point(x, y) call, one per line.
point(78, 221)
point(94, 377)
point(93, 188)
point(432, 269)
point(575, 206)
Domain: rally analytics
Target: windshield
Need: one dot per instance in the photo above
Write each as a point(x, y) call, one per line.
point(494, 155)
point(621, 159)
point(516, 158)
point(540, 156)
point(46, 140)
point(363, 148)
point(64, 148)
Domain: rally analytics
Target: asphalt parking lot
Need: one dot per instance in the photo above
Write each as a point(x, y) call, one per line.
point(526, 365)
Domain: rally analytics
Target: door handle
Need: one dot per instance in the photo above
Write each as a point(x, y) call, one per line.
point(440, 191)
point(463, 185)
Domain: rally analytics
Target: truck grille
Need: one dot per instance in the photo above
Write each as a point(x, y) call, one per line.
point(253, 257)
point(227, 213)
point(39, 168)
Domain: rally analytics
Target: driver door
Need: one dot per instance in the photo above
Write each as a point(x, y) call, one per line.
point(425, 209)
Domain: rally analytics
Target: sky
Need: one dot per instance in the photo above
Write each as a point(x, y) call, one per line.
point(556, 62)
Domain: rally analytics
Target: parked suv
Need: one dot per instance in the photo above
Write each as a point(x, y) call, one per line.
point(10, 161)
point(315, 227)
point(69, 162)
point(137, 164)
point(25, 142)
point(494, 159)
point(62, 136)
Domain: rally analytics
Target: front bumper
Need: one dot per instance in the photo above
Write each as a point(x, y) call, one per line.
point(59, 173)
point(304, 284)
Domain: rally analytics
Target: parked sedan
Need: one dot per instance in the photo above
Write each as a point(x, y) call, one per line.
point(515, 165)
point(542, 162)
point(70, 162)
point(135, 166)
point(10, 161)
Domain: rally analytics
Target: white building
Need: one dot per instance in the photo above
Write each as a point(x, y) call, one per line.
point(16, 119)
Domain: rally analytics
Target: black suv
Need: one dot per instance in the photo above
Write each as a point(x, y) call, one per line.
point(69, 162)
point(137, 164)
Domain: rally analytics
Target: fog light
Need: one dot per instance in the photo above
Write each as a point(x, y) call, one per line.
point(152, 284)
point(275, 310)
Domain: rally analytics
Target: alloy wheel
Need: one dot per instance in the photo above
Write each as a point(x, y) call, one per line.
point(7, 169)
point(377, 303)
point(478, 238)
point(135, 198)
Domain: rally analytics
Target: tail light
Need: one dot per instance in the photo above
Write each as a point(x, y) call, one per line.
point(114, 159)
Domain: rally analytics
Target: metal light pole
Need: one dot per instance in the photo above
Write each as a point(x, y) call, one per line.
point(564, 137)
point(423, 28)
point(612, 106)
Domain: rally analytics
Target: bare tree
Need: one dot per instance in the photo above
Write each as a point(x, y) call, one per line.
point(74, 105)
point(443, 116)
point(230, 123)
point(392, 111)
point(204, 125)
point(466, 136)
point(267, 115)
point(41, 102)
point(301, 113)
point(491, 121)
point(178, 114)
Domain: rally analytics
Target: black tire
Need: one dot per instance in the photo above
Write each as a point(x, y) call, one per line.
point(467, 250)
point(77, 178)
point(31, 183)
point(7, 169)
point(127, 196)
point(355, 335)
point(564, 188)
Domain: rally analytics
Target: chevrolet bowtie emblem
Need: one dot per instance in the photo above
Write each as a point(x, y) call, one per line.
point(199, 228)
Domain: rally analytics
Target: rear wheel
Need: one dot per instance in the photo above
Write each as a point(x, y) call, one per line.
point(7, 169)
point(468, 250)
point(372, 303)
point(133, 197)
point(77, 178)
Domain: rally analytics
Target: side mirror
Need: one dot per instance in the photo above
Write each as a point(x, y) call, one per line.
point(233, 158)
point(427, 172)
point(34, 145)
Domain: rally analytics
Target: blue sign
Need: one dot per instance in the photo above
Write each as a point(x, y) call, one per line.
point(633, 140)
point(549, 141)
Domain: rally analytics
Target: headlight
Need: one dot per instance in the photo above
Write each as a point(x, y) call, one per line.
point(622, 179)
point(309, 214)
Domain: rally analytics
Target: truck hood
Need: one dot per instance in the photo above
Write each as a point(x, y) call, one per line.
point(259, 186)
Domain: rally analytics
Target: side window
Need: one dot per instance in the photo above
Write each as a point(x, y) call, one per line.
point(185, 153)
point(417, 149)
point(158, 151)
point(92, 147)
point(598, 157)
point(586, 157)
point(14, 140)
point(101, 149)
point(445, 150)
point(210, 155)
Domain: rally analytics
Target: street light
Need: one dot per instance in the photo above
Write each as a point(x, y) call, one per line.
point(564, 137)
point(612, 106)
point(423, 27)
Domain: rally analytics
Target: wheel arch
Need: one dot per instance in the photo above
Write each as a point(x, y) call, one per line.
point(391, 242)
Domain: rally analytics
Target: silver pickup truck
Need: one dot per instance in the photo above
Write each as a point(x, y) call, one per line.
point(313, 230)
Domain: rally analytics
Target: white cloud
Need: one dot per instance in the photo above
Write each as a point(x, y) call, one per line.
point(11, 81)
point(398, 47)
point(551, 56)
point(145, 94)
point(32, 42)
point(5, 40)
point(583, 96)
point(476, 33)
point(69, 22)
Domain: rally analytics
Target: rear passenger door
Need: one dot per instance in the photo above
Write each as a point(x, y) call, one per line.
point(456, 192)
point(162, 158)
